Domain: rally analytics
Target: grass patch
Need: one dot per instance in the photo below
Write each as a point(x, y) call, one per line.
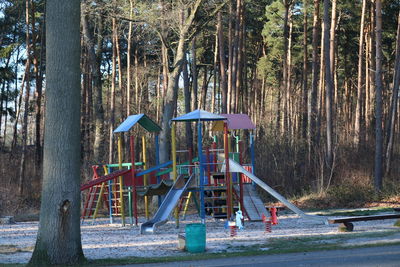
point(11, 249)
point(363, 212)
point(272, 246)
point(269, 247)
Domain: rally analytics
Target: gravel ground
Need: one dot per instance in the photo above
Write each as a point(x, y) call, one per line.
point(103, 240)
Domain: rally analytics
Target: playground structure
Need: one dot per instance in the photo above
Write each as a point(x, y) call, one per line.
point(217, 180)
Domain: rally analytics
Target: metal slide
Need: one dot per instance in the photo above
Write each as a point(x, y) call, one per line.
point(236, 167)
point(252, 203)
point(170, 201)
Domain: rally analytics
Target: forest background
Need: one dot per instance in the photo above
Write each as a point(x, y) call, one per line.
point(319, 81)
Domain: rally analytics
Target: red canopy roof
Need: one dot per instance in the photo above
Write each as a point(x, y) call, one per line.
point(235, 122)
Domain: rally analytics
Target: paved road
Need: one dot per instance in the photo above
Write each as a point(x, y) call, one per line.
point(374, 256)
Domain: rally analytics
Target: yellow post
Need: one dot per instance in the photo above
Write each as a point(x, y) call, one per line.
point(174, 172)
point(187, 204)
point(99, 199)
point(145, 177)
point(121, 183)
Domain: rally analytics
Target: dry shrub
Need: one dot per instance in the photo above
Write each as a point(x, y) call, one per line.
point(283, 164)
point(11, 203)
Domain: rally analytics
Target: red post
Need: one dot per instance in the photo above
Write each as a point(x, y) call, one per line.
point(274, 218)
point(214, 146)
point(240, 176)
point(227, 173)
point(132, 143)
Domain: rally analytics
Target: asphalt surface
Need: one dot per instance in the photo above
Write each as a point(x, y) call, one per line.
point(373, 256)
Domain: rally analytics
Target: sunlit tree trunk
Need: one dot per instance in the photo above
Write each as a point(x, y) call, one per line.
point(26, 102)
point(312, 92)
point(59, 239)
point(329, 88)
point(360, 94)
point(222, 68)
point(378, 97)
point(195, 82)
point(128, 62)
point(112, 93)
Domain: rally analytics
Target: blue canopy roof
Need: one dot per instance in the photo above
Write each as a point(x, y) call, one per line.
point(142, 119)
point(199, 115)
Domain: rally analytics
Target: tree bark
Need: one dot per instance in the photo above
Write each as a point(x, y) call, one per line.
point(395, 96)
point(94, 58)
point(128, 62)
point(285, 66)
point(37, 63)
point(329, 89)
point(378, 98)
point(59, 239)
point(112, 93)
point(195, 82)
point(186, 93)
point(173, 77)
point(312, 92)
point(360, 94)
point(222, 68)
point(305, 71)
point(21, 176)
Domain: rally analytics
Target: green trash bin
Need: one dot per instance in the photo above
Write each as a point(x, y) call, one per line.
point(195, 237)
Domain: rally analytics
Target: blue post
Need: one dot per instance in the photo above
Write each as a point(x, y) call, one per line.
point(252, 156)
point(201, 171)
point(157, 163)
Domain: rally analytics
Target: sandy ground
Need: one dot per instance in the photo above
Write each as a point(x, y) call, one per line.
point(103, 240)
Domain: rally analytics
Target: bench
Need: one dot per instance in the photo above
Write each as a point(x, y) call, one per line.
point(347, 225)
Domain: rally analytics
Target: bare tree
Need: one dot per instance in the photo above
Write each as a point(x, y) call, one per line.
point(329, 88)
point(378, 97)
point(395, 96)
point(312, 92)
point(358, 119)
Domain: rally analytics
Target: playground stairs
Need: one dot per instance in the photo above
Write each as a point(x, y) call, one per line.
point(99, 194)
point(253, 205)
point(217, 178)
point(116, 205)
point(215, 198)
point(95, 196)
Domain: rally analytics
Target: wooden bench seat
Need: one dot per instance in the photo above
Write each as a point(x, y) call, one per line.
point(346, 222)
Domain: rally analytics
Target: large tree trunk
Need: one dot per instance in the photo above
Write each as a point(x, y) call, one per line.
point(222, 68)
point(285, 68)
point(112, 93)
point(305, 72)
point(173, 77)
point(186, 93)
point(98, 111)
point(378, 97)
point(360, 94)
point(26, 104)
point(128, 62)
point(195, 82)
point(37, 63)
point(329, 88)
point(395, 96)
point(59, 239)
point(312, 92)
